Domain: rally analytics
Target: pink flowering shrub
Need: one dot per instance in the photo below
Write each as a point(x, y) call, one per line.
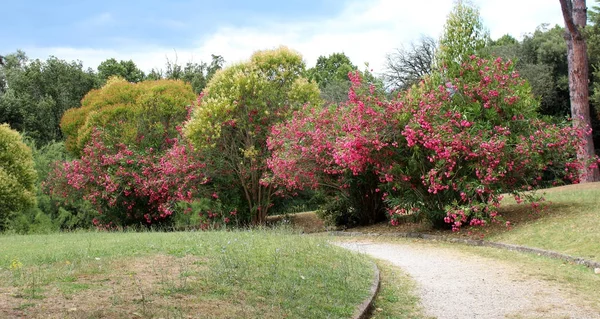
point(444, 150)
point(130, 186)
point(334, 148)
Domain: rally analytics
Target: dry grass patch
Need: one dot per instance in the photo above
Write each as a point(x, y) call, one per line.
point(307, 222)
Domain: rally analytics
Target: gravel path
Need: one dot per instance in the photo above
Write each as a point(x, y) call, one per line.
point(457, 285)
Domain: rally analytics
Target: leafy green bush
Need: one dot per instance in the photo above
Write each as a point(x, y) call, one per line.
point(144, 114)
point(17, 174)
point(51, 213)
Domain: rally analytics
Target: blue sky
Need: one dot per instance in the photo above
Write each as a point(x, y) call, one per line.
point(102, 24)
point(150, 31)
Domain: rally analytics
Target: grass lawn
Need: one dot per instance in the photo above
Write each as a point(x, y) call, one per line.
point(397, 295)
point(570, 223)
point(238, 274)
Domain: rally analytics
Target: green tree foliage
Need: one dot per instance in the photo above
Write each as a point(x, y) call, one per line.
point(592, 33)
point(17, 175)
point(196, 74)
point(145, 113)
point(464, 35)
point(51, 213)
point(125, 69)
point(331, 69)
point(541, 58)
point(35, 94)
point(331, 74)
point(233, 119)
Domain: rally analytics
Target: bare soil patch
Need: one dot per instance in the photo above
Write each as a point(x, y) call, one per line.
point(158, 286)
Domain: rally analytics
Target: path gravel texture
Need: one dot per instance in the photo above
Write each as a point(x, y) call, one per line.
point(458, 285)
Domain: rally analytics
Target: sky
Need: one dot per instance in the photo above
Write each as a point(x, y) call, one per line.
point(148, 32)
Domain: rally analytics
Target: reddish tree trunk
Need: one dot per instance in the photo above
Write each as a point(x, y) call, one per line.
point(575, 15)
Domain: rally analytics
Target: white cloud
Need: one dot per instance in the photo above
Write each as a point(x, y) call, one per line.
point(365, 31)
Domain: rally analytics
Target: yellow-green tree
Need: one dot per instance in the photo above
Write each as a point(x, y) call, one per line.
point(235, 114)
point(17, 175)
point(464, 35)
point(142, 114)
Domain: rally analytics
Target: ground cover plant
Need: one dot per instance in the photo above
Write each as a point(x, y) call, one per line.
point(397, 295)
point(238, 274)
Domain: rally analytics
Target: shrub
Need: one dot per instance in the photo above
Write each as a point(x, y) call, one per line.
point(445, 150)
point(128, 186)
point(232, 120)
point(334, 148)
point(17, 175)
point(132, 166)
point(470, 139)
point(49, 215)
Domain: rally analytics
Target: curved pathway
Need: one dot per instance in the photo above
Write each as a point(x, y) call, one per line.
point(458, 285)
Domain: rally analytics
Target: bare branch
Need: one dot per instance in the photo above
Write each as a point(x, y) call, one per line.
point(405, 67)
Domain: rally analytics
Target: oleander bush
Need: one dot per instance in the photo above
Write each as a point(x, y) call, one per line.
point(445, 150)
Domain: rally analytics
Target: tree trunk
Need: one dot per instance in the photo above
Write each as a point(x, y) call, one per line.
point(575, 15)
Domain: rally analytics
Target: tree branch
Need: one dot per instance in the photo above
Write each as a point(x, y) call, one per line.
point(567, 11)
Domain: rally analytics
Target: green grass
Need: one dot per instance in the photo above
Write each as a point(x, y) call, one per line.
point(397, 295)
point(570, 223)
point(238, 274)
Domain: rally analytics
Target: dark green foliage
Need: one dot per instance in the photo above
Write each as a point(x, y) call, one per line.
point(35, 94)
point(361, 205)
point(124, 69)
point(196, 74)
point(50, 214)
point(331, 69)
point(331, 75)
point(301, 201)
point(541, 59)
